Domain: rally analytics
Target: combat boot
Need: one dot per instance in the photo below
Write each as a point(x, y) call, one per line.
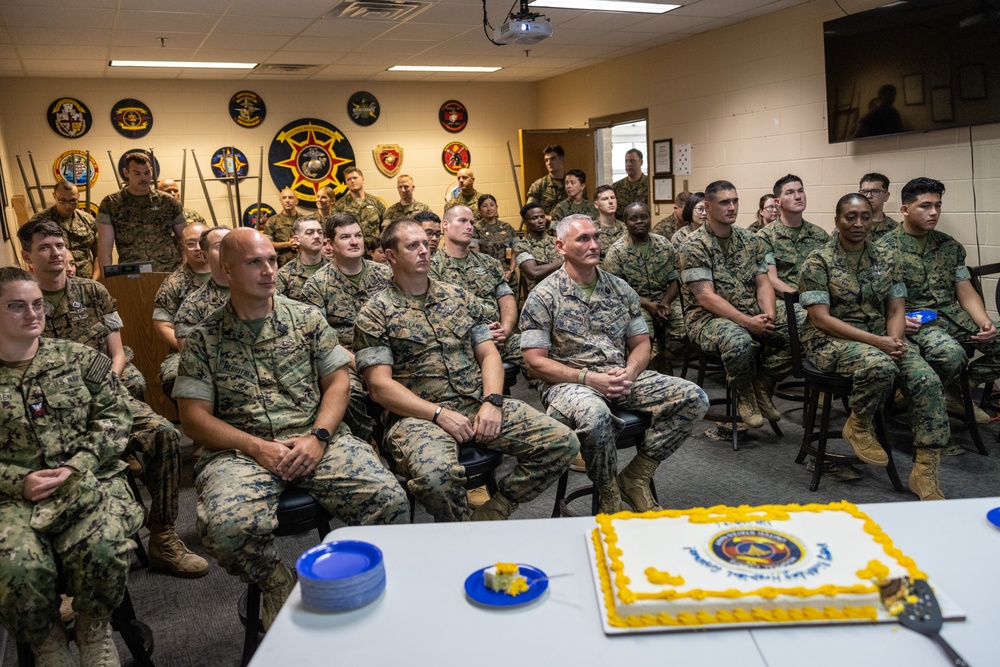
point(168, 552)
point(54, 649)
point(634, 480)
point(861, 438)
point(924, 476)
point(747, 407)
point(497, 508)
point(609, 497)
point(274, 591)
point(93, 638)
point(764, 405)
point(955, 402)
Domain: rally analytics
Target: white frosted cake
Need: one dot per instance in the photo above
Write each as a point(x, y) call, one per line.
point(774, 563)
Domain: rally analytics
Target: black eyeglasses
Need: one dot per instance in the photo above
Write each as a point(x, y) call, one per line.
point(874, 192)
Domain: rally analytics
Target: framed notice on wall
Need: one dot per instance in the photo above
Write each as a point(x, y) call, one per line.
point(663, 156)
point(663, 189)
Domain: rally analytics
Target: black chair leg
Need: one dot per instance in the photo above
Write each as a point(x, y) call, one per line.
point(560, 493)
point(824, 427)
point(25, 658)
point(880, 432)
point(812, 400)
point(733, 412)
point(970, 412)
point(251, 634)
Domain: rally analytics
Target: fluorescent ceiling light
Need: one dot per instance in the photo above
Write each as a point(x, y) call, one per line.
point(606, 6)
point(440, 68)
point(180, 63)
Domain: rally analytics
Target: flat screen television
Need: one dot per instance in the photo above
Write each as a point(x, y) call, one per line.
point(912, 66)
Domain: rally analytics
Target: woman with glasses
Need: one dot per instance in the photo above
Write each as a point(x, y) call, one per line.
point(767, 212)
point(693, 216)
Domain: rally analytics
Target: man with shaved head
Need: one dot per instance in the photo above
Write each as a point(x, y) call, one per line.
point(467, 194)
point(279, 227)
point(209, 297)
point(263, 385)
point(172, 188)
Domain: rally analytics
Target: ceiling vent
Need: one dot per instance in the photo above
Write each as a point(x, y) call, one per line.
point(377, 10)
point(287, 68)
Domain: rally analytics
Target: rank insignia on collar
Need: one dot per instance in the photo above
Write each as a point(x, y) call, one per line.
point(131, 118)
point(69, 117)
point(388, 159)
point(37, 409)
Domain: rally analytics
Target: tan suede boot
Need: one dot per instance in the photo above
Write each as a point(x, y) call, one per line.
point(747, 407)
point(497, 508)
point(634, 480)
point(924, 476)
point(54, 649)
point(609, 497)
point(93, 638)
point(955, 402)
point(477, 496)
point(274, 591)
point(168, 552)
point(861, 437)
point(764, 405)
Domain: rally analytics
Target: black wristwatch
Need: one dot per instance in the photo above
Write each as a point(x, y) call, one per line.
point(495, 399)
point(322, 435)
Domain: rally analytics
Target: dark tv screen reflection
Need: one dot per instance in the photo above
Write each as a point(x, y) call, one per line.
point(913, 67)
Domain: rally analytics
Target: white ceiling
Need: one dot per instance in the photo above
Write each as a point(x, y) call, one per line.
point(77, 38)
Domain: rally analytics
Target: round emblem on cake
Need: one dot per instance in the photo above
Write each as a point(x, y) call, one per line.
point(308, 154)
point(247, 109)
point(230, 161)
point(453, 116)
point(363, 108)
point(72, 166)
point(131, 118)
point(69, 117)
point(756, 549)
point(456, 156)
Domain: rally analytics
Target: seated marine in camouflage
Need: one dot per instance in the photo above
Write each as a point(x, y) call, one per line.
point(575, 184)
point(209, 297)
point(536, 253)
point(496, 237)
point(79, 227)
point(65, 506)
point(278, 227)
point(262, 385)
point(308, 236)
point(369, 209)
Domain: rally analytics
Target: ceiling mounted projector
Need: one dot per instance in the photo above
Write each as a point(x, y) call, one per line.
point(525, 29)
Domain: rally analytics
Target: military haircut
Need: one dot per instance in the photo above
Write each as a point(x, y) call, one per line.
point(780, 184)
point(427, 216)
point(687, 215)
point(483, 198)
point(352, 170)
point(848, 198)
point(338, 220)
point(636, 151)
point(682, 199)
point(45, 227)
point(636, 204)
point(448, 215)
point(600, 188)
point(875, 177)
point(138, 157)
point(533, 204)
point(15, 274)
point(580, 175)
point(203, 241)
point(64, 185)
point(554, 148)
point(920, 186)
point(404, 177)
point(562, 227)
point(390, 235)
point(297, 225)
point(715, 187)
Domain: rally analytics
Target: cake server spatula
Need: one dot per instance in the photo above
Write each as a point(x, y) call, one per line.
point(922, 615)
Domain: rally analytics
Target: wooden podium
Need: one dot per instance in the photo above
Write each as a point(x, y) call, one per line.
point(134, 295)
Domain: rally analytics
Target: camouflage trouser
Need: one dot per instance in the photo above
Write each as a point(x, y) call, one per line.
point(511, 352)
point(675, 406)
point(134, 382)
point(88, 561)
point(238, 500)
point(168, 372)
point(873, 373)
point(941, 342)
point(667, 341)
point(428, 456)
point(160, 445)
point(356, 417)
point(738, 350)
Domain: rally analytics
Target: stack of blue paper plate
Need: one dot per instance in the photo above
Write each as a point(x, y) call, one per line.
point(337, 576)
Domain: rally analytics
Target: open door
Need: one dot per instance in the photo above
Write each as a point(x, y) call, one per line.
point(578, 145)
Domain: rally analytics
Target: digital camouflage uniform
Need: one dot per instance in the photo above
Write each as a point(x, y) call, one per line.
point(540, 250)
point(86, 315)
point(881, 228)
point(198, 305)
point(649, 272)
point(787, 253)
point(469, 201)
point(496, 240)
point(81, 234)
point(398, 210)
point(858, 297)
point(482, 276)
point(369, 210)
point(681, 235)
point(169, 297)
point(339, 300)
point(278, 228)
point(68, 409)
point(609, 236)
point(193, 217)
point(429, 342)
point(144, 227)
point(292, 277)
point(547, 191)
point(733, 274)
point(628, 192)
point(668, 226)
point(591, 333)
point(757, 225)
point(566, 207)
point(269, 386)
point(931, 276)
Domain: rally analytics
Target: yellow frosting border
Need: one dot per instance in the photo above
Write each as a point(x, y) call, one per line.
point(736, 514)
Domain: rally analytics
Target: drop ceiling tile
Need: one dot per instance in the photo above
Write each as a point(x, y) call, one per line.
point(61, 51)
point(58, 36)
point(303, 57)
point(246, 24)
point(151, 41)
point(164, 21)
point(305, 9)
point(602, 20)
point(351, 29)
point(218, 40)
point(193, 6)
point(430, 31)
point(62, 67)
point(319, 45)
point(33, 17)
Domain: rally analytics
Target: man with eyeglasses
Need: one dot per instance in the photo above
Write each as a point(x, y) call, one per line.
point(875, 187)
point(79, 228)
point(431, 224)
point(307, 234)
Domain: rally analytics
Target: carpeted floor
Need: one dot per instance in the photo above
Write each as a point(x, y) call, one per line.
point(195, 623)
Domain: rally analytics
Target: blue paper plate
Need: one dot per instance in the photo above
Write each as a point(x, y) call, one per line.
point(339, 560)
point(477, 591)
point(924, 316)
point(993, 516)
